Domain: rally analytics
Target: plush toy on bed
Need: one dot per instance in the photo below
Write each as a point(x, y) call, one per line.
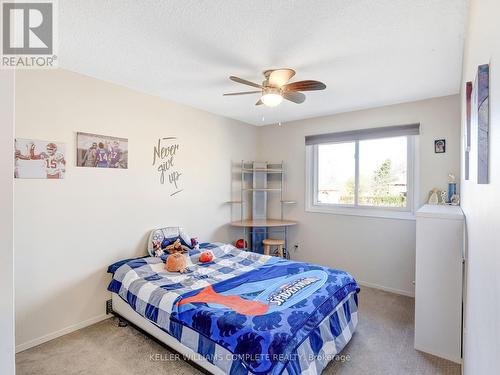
point(206, 256)
point(158, 251)
point(176, 247)
point(194, 243)
point(176, 261)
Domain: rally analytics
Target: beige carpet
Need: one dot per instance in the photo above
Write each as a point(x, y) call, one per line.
point(382, 344)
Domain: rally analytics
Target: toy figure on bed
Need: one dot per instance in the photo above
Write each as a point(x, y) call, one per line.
point(176, 261)
point(162, 247)
point(195, 244)
point(158, 251)
point(207, 256)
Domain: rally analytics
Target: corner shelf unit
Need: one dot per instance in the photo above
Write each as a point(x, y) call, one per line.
point(262, 183)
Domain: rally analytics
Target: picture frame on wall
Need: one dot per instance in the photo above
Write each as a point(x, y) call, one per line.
point(39, 159)
point(481, 94)
point(467, 132)
point(440, 146)
point(101, 151)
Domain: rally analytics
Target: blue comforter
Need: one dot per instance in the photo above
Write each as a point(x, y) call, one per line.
point(263, 315)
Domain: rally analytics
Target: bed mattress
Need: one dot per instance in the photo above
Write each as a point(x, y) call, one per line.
point(246, 312)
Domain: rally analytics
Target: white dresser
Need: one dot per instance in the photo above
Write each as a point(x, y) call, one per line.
point(438, 281)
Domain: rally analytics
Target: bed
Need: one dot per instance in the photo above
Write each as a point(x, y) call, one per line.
point(242, 313)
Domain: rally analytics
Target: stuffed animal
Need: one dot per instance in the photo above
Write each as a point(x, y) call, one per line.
point(206, 256)
point(194, 243)
point(156, 245)
point(241, 243)
point(176, 247)
point(176, 263)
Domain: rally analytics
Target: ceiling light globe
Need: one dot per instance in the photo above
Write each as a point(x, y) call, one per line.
point(271, 99)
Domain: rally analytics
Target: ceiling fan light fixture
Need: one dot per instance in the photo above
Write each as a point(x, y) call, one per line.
point(271, 97)
point(276, 87)
point(271, 100)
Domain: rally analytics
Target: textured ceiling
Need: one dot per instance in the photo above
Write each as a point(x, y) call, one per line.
point(368, 52)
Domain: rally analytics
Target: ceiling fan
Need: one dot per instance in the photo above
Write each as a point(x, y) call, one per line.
point(275, 87)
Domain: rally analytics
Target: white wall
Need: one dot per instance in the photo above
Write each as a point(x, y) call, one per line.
point(6, 223)
point(378, 252)
point(481, 204)
point(68, 231)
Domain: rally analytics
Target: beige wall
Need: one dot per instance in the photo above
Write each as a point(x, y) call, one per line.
point(378, 252)
point(68, 231)
point(6, 224)
point(481, 204)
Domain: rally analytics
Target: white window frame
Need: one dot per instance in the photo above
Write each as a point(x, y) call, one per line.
point(406, 213)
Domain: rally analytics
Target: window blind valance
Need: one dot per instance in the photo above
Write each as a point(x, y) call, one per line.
point(372, 133)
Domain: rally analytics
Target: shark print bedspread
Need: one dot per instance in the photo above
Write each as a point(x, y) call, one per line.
point(262, 316)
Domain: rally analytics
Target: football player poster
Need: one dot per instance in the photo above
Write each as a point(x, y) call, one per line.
point(101, 151)
point(39, 159)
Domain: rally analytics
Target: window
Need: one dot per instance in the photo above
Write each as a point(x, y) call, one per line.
point(368, 172)
point(336, 173)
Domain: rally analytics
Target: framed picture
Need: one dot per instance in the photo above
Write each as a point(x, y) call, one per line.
point(440, 146)
point(101, 151)
point(467, 132)
point(482, 114)
point(39, 159)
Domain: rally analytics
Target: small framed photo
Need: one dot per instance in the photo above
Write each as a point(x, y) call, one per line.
point(101, 151)
point(39, 159)
point(440, 146)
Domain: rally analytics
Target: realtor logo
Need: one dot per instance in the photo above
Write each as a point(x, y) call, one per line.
point(28, 34)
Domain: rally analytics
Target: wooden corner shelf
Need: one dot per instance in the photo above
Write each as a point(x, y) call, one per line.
point(265, 177)
point(261, 170)
point(248, 223)
point(263, 189)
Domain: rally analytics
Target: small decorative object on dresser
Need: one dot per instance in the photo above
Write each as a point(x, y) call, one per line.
point(452, 186)
point(440, 146)
point(444, 197)
point(455, 200)
point(433, 196)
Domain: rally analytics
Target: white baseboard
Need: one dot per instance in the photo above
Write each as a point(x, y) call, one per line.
point(61, 332)
point(387, 289)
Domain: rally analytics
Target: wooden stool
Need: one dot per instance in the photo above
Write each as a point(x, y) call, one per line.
point(268, 242)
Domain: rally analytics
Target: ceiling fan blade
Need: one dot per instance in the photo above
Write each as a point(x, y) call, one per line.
point(308, 85)
point(280, 77)
point(294, 96)
point(242, 93)
point(259, 102)
point(245, 82)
